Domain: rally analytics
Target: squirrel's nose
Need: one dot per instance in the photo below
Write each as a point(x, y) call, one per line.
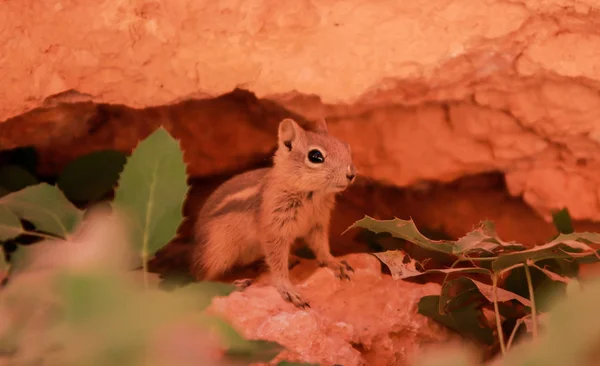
point(351, 173)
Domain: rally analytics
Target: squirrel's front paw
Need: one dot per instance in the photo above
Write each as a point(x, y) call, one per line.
point(340, 268)
point(290, 294)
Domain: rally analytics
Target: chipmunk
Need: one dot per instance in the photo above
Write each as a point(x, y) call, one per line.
point(260, 213)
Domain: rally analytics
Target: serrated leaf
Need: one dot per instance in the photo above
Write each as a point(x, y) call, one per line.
point(552, 275)
point(91, 176)
point(401, 267)
point(466, 320)
point(396, 261)
point(403, 229)
point(46, 207)
point(502, 294)
point(10, 225)
point(564, 246)
point(14, 178)
point(152, 188)
point(459, 293)
point(464, 285)
point(484, 239)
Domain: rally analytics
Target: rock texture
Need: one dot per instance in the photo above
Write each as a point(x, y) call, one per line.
point(370, 320)
point(423, 89)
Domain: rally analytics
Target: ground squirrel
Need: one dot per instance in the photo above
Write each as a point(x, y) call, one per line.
point(260, 213)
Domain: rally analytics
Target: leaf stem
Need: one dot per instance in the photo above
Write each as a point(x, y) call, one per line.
point(497, 313)
point(477, 259)
point(440, 305)
point(514, 333)
point(531, 298)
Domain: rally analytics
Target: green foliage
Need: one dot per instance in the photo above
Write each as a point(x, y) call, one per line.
point(571, 335)
point(44, 206)
point(404, 230)
point(101, 316)
point(92, 176)
point(533, 272)
point(10, 225)
point(152, 189)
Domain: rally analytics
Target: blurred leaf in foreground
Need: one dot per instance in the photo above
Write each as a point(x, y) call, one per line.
point(44, 206)
point(10, 225)
point(571, 336)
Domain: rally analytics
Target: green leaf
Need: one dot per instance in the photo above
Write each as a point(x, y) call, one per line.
point(91, 176)
point(45, 207)
point(462, 285)
point(573, 245)
point(14, 178)
point(466, 320)
point(562, 221)
point(403, 229)
point(395, 260)
point(152, 189)
point(10, 225)
point(401, 267)
point(481, 240)
point(502, 294)
point(552, 275)
point(484, 239)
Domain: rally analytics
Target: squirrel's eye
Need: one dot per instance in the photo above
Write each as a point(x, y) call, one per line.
point(315, 156)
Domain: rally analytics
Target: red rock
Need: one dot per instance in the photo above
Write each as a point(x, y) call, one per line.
point(370, 320)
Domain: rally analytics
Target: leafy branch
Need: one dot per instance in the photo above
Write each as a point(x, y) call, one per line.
point(481, 252)
point(150, 187)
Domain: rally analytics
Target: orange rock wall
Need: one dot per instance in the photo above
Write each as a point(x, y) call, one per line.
point(425, 89)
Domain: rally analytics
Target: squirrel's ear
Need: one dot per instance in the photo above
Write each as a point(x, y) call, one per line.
point(289, 133)
point(321, 125)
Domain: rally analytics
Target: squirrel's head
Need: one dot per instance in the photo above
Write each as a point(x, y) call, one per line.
point(314, 160)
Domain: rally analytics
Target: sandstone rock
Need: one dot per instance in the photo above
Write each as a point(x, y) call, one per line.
point(426, 90)
point(217, 135)
point(370, 320)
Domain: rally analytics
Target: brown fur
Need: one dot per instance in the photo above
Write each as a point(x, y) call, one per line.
point(260, 213)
